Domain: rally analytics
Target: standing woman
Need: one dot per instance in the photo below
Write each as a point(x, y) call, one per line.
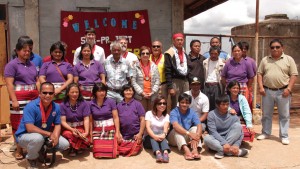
point(145, 79)
point(57, 71)
point(238, 69)
point(105, 123)
point(132, 123)
point(21, 80)
point(157, 125)
point(88, 71)
point(75, 113)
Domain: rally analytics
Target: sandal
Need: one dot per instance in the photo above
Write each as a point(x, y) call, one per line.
point(159, 157)
point(72, 152)
point(165, 158)
point(188, 157)
point(197, 156)
point(19, 155)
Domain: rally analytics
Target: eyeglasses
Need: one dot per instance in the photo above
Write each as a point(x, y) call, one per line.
point(161, 103)
point(277, 47)
point(50, 93)
point(155, 46)
point(145, 53)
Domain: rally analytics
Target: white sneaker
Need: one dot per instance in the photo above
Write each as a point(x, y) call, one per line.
point(285, 141)
point(219, 155)
point(262, 137)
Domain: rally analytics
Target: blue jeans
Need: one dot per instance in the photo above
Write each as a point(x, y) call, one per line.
point(283, 105)
point(33, 142)
point(233, 137)
point(149, 142)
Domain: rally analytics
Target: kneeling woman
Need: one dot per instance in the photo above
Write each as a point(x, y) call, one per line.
point(75, 114)
point(105, 123)
point(132, 123)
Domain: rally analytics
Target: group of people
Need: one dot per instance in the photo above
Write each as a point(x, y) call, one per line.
point(118, 104)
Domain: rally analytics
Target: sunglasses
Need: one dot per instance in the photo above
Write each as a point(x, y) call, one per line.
point(155, 46)
point(161, 103)
point(50, 93)
point(277, 47)
point(145, 53)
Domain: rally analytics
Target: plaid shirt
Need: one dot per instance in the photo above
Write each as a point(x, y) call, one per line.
point(117, 72)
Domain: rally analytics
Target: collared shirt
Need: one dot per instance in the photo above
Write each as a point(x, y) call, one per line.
point(239, 71)
point(37, 60)
point(117, 72)
point(129, 116)
point(90, 74)
point(76, 114)
point(187, 120)
point(161, 68)
point(195, 67)
point(103, 112)
point(23, 73)
point(252, 62)
point(223, 55)
point(32, 115)
point(199, 104)
point(52, 75)
point(277, 73)
point(157, 123)
point(98, 53)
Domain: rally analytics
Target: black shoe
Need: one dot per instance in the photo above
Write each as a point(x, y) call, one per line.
point(243, 152)
point(32, 164)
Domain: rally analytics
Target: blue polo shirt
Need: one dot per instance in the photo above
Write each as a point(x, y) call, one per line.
point(37, 60)
point(187, 120)
point(32, 115)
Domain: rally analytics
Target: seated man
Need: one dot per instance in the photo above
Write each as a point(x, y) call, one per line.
point(187, 128)
point(225, 131)
point(38, 117)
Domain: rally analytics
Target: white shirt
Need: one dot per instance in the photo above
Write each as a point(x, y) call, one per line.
point(211, 72)
point(99, 55)
point(200, 104)
point(131, 58)
point(156, 124)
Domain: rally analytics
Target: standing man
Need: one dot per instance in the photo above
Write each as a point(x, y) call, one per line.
point(38, 118)
point(276, 77)
point(130, 57)
point(97, 51)
point(195, 61)
point(176, 69)
point(158, 58)
point(200, 102)
point(213, 66)
point(118, 72)
point(216, 42)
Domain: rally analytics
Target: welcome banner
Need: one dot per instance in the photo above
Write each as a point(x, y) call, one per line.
point(109, 26)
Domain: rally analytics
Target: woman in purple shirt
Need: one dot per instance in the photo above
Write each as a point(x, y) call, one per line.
point(57, 71)
point(88, 71)
point(238, 69)
point(105, 122)
point(132, 123)
point(75, 113)
point(21, 78)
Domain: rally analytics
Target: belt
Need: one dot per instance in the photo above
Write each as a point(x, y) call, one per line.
point(115, 90)
point(211, 84)
point(276, 88)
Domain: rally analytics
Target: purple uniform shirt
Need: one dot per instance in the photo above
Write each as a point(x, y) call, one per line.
point(252, 62)
point(103, 112)
point(129, 115)
point(49, 70)
point(23, 74)
point(236, 106)
point(88, 75)
point(239, 71)
point(83, 110)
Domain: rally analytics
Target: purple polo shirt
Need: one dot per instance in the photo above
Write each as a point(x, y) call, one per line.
point(236, 106)
point(23, 74)
point(129, 115)
point(103, 112)
point(49, 70)
point(251, 62)
point(82, 111)
point(88, 75)
point(239, 71)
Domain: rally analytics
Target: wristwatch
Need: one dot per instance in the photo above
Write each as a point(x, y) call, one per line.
point(187, 133)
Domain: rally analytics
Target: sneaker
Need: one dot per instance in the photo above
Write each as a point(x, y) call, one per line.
point(243, 152)
point(159, 157)
point(285, 141)
point(13, 148)
point(262, 137)
point(165, 158)
point(219, 155)
point(32, 164)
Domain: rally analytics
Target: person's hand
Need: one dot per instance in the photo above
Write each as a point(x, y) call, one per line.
point(194, 136)
point(161, 136)
point(54, 139)
point(119, 138)
point(138, 138)
point(226, 148)
point(234, 150)
point(75, 132)
point(15, 105)
point(251, 129)
point(262, 91)
point(194, 144)
point(232, 111)
point(286, 93)
point(172, 92)
point(57, 91)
